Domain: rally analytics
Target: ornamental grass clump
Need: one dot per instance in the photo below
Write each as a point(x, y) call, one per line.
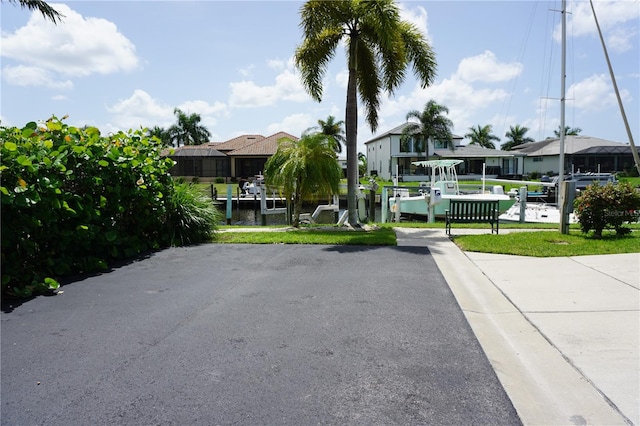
point(607, 206)
point(192, 217)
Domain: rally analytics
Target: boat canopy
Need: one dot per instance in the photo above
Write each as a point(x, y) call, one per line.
point(437, 163)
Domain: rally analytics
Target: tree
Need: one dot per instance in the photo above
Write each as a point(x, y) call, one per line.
point(516, 136)
point(161, 133)
point(362, 164)
point(333, 129)
point(568, 131)
point(41, 6)
point(431, 125)
point(188, 129)
point(304, 169)
point(481, 135)
point(379, 45)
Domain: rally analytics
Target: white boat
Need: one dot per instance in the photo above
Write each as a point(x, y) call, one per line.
point(535, 213)
point(444, 183)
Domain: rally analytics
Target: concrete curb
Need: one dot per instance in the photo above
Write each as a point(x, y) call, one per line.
point(543, 386)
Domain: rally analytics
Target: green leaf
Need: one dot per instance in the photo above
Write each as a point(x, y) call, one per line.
point(4, 190)
point(103, 163)
point(23, 160)
point(111, 236)
point(48, 144)
point(51, 283)
point(10, 146)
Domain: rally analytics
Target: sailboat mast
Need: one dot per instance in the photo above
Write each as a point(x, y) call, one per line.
point(563, 76)
point(561, 190)
point(634, 151)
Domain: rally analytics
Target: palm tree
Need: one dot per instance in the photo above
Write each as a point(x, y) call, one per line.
point(304, 169)
point(481, 135)
point(161, 133)
point(516, 136)
point(431, 125)
point(333, 129)
point(362, 164)
point(380, 46)
point(41, 6)
point(568, 131)
point(188, 129)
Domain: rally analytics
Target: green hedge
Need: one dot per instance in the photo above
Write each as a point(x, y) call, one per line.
point(73, 201)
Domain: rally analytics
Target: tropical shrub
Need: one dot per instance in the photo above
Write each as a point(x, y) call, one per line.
point(73, 201)
point(602, 206)
point(192, 216)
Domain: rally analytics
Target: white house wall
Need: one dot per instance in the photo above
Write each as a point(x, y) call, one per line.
point(378, 155)
point(547, 164)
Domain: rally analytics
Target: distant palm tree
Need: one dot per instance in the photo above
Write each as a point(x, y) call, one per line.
point(161, 133)
point(304, 169)
point(188, 130)
point(380, 46)
point(516, 136)
point(432, 125)
point(334, 130)
point(481, 135)
point(568, 131)
point(41, 6)
point(362, 164)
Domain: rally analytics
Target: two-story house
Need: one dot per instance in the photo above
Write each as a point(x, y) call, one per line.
point(388, 155)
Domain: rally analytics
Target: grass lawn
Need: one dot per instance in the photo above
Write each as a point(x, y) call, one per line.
point(539, 243)
point(550, 243)
point(311, 235)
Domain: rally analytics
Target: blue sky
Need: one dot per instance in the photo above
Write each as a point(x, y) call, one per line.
point(119, 65)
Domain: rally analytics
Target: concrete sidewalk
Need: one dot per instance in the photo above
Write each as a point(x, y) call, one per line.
point(561, 333)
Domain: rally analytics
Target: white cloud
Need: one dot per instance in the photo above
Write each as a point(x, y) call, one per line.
point(26, 76)
point(617, 19)
point(342, 78)
point(417, 16)
point(247, 71)
point(486, 68)
point(595, 93)
point(294, 124)
point(78, 46)
point(276, 64)
point(247, 94)
point(140, 109)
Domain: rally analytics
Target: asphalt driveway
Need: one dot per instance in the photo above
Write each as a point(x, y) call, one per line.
point(251, 335)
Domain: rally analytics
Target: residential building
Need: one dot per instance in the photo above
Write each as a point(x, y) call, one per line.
point(243, 156)
point(388, 155)
point(582, 154)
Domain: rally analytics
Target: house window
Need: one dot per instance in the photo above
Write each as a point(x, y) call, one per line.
point(405, 145)
point(418, 145)
point(537, 159)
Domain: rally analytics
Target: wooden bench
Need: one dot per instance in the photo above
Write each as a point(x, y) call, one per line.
point(472, 211)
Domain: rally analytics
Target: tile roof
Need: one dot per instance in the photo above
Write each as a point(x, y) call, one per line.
point(572, 144)
point(266, 146)
point(236, 143)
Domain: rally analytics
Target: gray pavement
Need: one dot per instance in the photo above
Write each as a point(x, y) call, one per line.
point(561, 333)
point(419, 334)
point(251, 335)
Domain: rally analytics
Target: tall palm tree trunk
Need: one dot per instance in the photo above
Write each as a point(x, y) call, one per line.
point(351, 131)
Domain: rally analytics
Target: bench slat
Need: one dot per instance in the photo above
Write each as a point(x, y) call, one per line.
point(472, 211)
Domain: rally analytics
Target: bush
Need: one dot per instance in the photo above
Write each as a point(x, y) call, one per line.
point(193, 218)
point(602, 206)
point(220, 179)
point(74, 201)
